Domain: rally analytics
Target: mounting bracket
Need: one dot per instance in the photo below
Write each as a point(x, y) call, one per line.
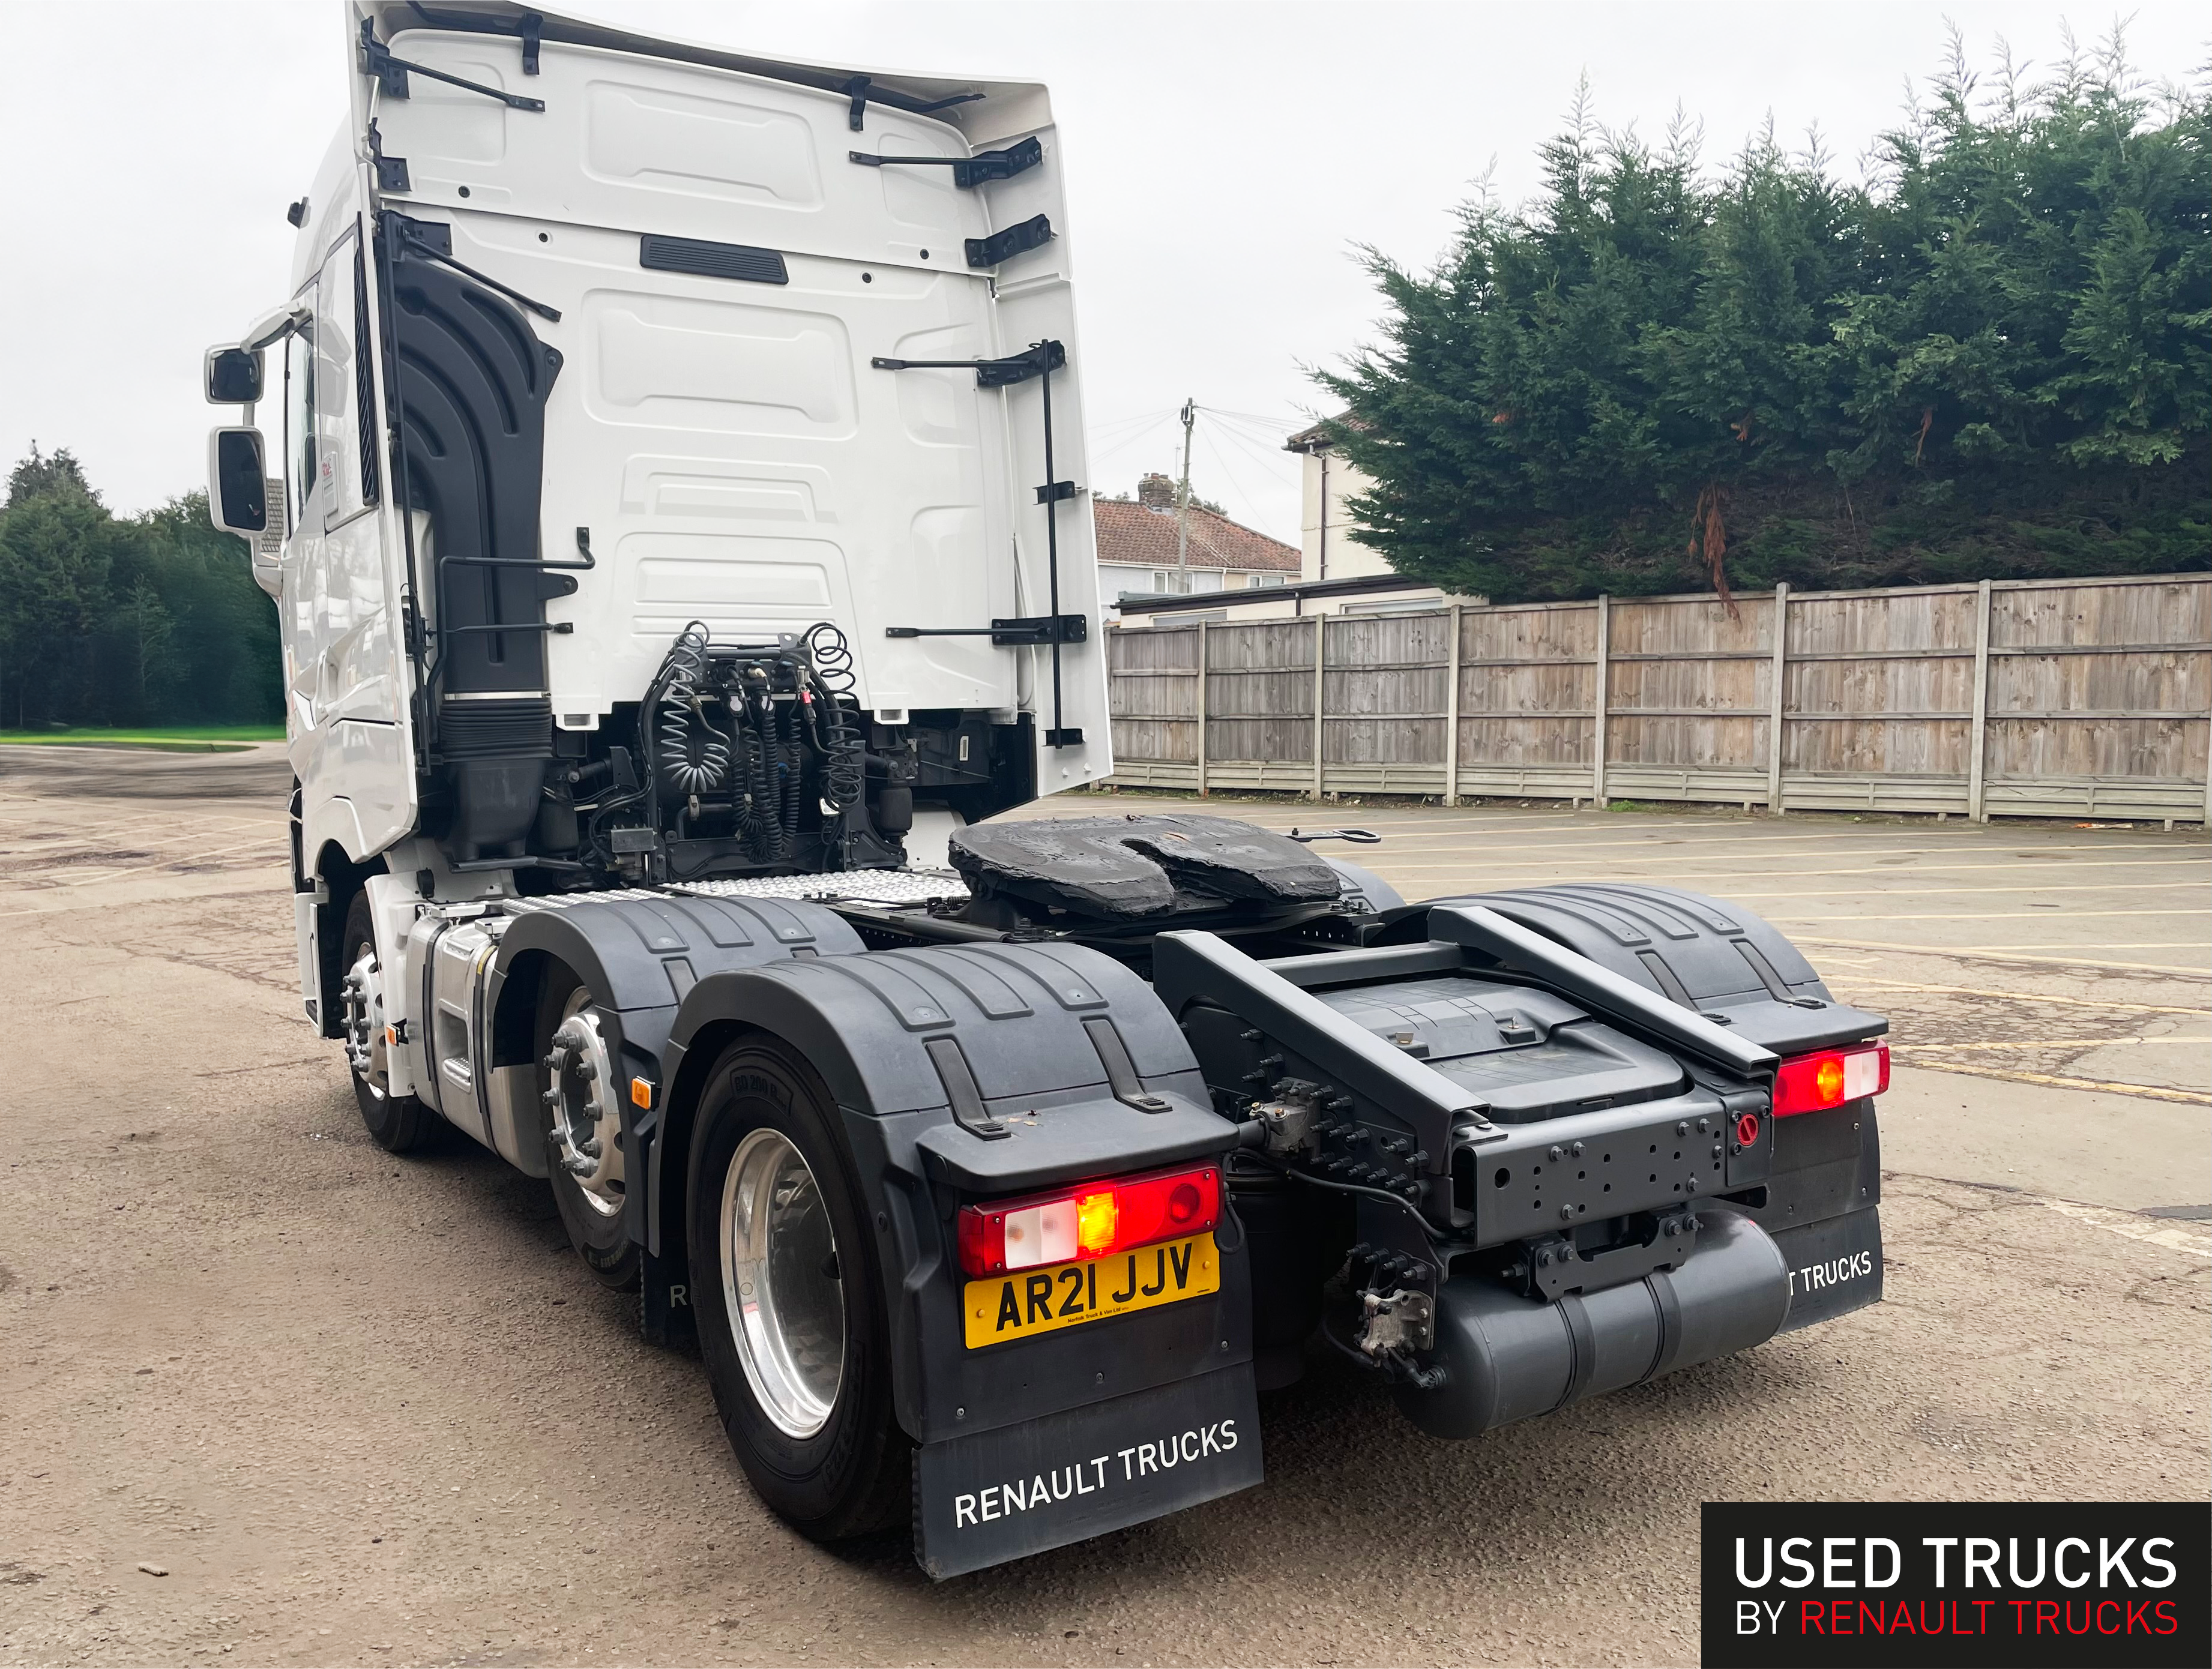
point(391, 73)
point(1017, 632)
point(968, 171)
point(1014, 239)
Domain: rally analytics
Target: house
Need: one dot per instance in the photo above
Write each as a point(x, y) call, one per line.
point(1332, 561)
point(1335, 573)
point(1137, 549)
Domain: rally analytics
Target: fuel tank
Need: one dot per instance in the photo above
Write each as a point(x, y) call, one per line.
point(1507, 1357)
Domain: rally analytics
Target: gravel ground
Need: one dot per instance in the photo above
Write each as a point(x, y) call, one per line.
point(359, 1410)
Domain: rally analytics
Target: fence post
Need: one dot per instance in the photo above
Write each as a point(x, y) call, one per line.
point(1781, 680)
point(1321, 657)
point(1977, 789)
point(1598, 740)
point(1451, 712)
point(1200, 705)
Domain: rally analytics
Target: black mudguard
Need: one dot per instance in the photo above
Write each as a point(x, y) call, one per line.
point(1823, 1188)
point(639, 953)
point(989, 1071)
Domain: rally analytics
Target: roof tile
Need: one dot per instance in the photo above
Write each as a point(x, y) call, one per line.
point(1137, 536)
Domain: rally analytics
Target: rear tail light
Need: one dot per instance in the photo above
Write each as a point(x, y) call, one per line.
point(1088, 1220)
point(1810, 1082)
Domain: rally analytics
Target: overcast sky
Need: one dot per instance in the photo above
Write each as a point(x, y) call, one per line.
point(1224, 158)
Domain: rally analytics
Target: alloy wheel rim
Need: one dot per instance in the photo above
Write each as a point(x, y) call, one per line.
point(782, 1282)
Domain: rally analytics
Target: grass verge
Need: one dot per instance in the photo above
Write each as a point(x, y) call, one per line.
point(170, 738)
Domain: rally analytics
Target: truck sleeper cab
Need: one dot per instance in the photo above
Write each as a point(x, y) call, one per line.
point(675, 519)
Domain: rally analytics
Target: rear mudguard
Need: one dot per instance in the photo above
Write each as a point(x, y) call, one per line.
point(638, 954)
point(1823, 1184)
point(989, 1071)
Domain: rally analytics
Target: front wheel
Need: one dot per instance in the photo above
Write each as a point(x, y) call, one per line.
point(790, 1305)
point(397, 1124)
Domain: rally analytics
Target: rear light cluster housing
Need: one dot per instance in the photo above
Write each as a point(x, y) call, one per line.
point(1815, 1083)
point(1088, 1220)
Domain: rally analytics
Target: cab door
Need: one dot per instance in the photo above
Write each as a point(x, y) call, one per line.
point(345, 660)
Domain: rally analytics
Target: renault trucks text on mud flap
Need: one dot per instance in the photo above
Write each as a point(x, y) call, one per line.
point(671, 488)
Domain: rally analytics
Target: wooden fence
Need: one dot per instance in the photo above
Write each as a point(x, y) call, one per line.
point(2037, 698)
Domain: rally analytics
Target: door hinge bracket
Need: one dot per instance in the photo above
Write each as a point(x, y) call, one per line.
point(390, 170)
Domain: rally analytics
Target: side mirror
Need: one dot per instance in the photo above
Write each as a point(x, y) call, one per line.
point(238, 489)
point(232, 376)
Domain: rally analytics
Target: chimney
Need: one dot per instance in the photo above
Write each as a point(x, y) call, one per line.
point(1156, 492)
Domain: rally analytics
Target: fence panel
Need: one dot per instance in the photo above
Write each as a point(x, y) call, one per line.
point(2043, 698)
point(1152, 693)
point(1383, 690)
point(1259, 685)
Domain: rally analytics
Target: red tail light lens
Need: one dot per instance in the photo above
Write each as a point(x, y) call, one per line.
point(1810, 1082)
point(1088, 1220)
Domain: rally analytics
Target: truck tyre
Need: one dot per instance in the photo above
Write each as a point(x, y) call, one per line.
point(397, 1124)
point(791, 1309)
point(590, 1190)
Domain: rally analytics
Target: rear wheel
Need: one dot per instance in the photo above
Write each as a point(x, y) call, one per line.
point(578, 1100)
point(790, 1305)
point(399, 1124)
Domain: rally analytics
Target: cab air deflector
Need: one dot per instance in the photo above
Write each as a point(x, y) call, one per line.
point(1040, 360)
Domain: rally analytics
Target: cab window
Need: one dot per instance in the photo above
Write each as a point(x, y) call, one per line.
point(341, 366)
point(301, 468)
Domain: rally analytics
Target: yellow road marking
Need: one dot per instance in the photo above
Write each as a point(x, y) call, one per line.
point(2036, 997)
point(2166, 1233)
point(2053, 1043)
point(2002, 953)
point(1959, 1069)
point(1990, 915)
point(1747, 847)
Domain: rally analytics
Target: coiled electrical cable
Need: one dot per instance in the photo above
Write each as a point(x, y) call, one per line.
point(790, 765)
point(844, 763)
point(691, 755)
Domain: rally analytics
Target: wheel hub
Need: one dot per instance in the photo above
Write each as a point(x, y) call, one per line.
point(587, 1124)
point(360, 999)
point(782, 1283)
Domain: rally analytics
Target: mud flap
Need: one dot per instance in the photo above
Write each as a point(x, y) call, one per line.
point(1835, 1267)
point(1000, 1494)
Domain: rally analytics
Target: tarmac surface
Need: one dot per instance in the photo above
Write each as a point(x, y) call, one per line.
point(273, 1396)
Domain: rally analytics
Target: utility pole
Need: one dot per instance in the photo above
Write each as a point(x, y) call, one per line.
point(1182, 503)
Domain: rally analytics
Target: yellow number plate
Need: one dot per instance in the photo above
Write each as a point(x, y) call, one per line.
point(1040, 1300)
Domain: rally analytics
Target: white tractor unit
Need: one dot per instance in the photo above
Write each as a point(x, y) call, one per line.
point(673, 498)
